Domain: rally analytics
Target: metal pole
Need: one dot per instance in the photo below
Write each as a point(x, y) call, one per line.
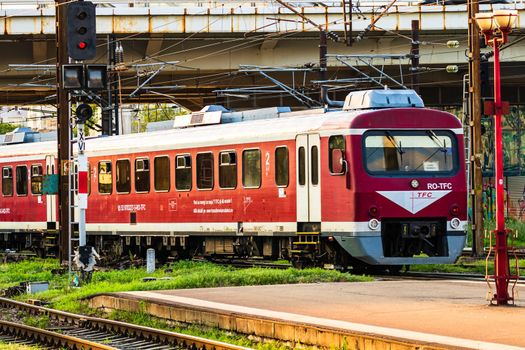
point(64, 145)
point(322, 55)
point(476, 154)
point(501, 268)
point(107, 108)
point(414, 53)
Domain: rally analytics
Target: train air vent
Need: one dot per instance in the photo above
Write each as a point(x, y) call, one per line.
point(209, 115)
point(376, 99)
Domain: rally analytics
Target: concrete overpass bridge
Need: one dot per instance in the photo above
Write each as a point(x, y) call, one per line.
point(210, 40)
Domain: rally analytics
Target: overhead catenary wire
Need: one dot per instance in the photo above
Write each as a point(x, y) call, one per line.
point(195, 58)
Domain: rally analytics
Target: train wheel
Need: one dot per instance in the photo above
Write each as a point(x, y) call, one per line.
point(41, 253)
point(394, 269)
point(298, 263)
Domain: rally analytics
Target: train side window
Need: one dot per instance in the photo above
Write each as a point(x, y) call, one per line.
point(281, 167)
point(314, 156)
point(105, 177)
point(123, 178)
point(7, 181)
point(162, 174)
point(21, 180)
point(228, 170)
point(36, 179)
point(142, 178)
point(183, 172)
point(302, 166)
point(335, 142)
point(251, 168)
point(205, 171)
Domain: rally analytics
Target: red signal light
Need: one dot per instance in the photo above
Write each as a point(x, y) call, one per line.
point(82, 45)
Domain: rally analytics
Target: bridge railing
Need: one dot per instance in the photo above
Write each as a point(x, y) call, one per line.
point(45, 4)
point(39, 4)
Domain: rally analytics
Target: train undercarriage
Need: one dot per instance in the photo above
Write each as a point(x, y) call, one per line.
point(308, 247)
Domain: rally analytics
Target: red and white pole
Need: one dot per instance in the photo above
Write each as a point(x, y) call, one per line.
point(82, 185)
point(501, 268)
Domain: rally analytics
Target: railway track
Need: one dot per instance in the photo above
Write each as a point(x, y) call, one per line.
point(19, 334)
point(245, 263)
point(74, 331)
point(520, 253)
point(446, 275)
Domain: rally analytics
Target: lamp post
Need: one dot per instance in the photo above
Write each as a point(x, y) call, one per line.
point(496, 27)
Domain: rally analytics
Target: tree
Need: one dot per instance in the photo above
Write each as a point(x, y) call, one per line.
point(150, 113)
point(6, 127)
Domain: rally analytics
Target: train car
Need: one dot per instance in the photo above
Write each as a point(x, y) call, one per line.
point(380, 182)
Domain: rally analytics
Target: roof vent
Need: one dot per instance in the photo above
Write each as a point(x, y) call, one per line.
point(207, 116)
point(375, 99)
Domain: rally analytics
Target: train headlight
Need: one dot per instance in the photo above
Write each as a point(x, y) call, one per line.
point(372, 211)
point(414, 183)
point(454, 223)
point(454, 210)
point(373, 224)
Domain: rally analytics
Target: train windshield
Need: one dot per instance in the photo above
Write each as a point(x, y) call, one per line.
point(410, 152)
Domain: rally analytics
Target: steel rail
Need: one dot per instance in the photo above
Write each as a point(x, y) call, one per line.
point(247, 263)
point(45, 337)
point(519, 252)
point(122, 328)
point(447, 275)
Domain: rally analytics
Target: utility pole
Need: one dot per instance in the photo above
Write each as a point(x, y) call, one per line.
point(414, 54)
point(64, 144)
point(476, 179)
point(322, 55)
point(107, 109)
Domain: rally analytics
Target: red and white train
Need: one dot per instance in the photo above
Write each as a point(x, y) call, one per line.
point(379, 182)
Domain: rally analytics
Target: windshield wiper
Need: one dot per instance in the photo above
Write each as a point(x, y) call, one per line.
point(398, 148)
point(432, 135)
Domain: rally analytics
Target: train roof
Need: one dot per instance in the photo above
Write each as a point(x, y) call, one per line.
point(284, 128)
point(222, 134)
point(362, 110)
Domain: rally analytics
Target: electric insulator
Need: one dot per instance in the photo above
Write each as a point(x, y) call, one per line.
point(452, 68)
point(119, 54)
point(452, 44)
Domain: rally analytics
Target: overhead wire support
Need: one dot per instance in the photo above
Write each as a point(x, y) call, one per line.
point(362, 34)
point(367, 60)
point(476, 151)
point(299, 96)
point(64, 150)
point(333, 36)
point(414, 55)
point(152, 74)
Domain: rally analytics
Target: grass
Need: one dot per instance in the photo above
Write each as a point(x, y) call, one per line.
point(144, 319)
point(465, 265)
point(41, 321)
point(5, 346)
point(516, 226)
point(27, 270)
point(183, 275)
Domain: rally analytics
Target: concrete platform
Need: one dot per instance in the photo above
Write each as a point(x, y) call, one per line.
point(374, 315)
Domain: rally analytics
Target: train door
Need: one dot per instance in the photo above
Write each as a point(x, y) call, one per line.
point(308, 178)
point(51, 199)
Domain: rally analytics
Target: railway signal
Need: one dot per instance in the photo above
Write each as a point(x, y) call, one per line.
point(81, 30)
point(86, 77)
point(84, 112)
